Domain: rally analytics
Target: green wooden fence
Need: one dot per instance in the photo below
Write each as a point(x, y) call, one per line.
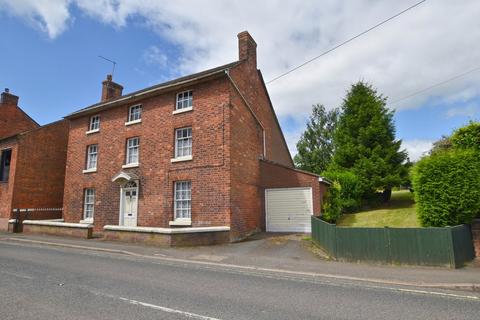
point(449, 246)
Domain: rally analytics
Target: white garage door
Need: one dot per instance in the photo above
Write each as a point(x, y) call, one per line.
point(288, 209)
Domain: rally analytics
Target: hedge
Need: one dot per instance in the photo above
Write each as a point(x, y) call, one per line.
point(447, 188)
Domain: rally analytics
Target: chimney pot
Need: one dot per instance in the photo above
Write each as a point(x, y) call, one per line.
point(8, 98)
point(247, 48)
point(110, 89)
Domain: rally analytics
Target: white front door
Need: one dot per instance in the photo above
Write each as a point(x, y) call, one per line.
point(129, 205)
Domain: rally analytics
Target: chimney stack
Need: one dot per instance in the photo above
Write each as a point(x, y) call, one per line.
point(110, 89)
point(8, 98)
point(247, 48)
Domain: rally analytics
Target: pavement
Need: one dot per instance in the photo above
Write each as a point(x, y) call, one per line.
point(57, 278)
point(288, 253)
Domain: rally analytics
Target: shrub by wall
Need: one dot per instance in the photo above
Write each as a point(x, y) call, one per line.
point(351, 192)
point(332, 203)
point(447, 188)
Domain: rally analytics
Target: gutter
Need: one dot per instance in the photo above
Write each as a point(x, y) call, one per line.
point(227, 72)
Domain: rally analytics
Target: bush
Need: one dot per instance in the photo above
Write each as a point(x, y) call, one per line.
point(332, 203)
point(467, 137)
point(447, 188)
point(351, 193)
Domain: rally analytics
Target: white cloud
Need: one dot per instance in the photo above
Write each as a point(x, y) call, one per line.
point(470, 110)
point(417, 148)
point(50, 16)
point(154, 56)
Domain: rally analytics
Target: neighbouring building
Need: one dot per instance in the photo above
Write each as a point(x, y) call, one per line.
point(32, 164)
point(202, 156)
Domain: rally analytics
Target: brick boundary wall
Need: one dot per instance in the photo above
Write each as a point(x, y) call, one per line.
point(476, 236)
point(168, 240)
point(85, 233)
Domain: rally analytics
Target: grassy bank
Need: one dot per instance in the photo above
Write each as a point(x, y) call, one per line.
point(398, 212)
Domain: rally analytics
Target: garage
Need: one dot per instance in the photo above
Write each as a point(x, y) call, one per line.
point(288, 209)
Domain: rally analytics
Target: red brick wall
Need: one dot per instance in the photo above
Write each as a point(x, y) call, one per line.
point(278, 176)
point(208, 170)
point(6, 188)
point(14, 120)
point(246, 148)
point(476, 236)
point(250, 83)
point(40, 174)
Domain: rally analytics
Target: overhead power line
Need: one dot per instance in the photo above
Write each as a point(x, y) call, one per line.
point(346, 41)
point(435, 85)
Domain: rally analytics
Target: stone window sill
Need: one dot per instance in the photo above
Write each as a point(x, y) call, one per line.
point(92, 131)
point(180, 222)
point(182, 110)
point(129, 123)
point(180, 159)
point(131, 165)
point(92, 170)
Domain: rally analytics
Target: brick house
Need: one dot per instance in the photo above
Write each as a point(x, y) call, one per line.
point(190, 156)
point(32, 162)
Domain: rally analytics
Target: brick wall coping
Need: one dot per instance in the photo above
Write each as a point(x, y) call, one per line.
point(166, 230)
point(58, 224)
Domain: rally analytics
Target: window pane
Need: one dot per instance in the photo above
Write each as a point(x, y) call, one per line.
point(92, 153)
point(135, 113)
point(184, 100)
point(183, 143)
point(5, 159)
point(133, 150)
point(94, 123)
point(89, 203)
point(182, 201)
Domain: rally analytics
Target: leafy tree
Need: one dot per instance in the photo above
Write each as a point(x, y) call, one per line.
point(365, 141)
point(315, 147)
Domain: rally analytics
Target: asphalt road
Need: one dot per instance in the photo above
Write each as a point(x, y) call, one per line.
point(41, 282)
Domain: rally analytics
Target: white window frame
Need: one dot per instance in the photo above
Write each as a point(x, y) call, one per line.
point(130, 146)
point(94, 124)
point(88, 204)
point(182, 201)
point(134, 116)
point(180, 147)
point(184, 101)
point(92, 158)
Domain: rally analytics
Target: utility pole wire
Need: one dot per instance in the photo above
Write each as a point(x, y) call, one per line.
point(435, 85)
point(346, 41)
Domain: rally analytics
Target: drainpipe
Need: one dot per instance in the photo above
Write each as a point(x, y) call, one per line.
point(227, 72)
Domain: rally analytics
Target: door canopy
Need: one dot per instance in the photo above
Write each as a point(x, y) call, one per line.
point(123, 178)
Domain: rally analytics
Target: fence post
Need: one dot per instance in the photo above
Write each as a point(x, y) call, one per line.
point(451, 250)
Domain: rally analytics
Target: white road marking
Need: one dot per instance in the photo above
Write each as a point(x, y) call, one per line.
point(169, 310)
point(13, 274)
point(439, 294)
point(152, 306)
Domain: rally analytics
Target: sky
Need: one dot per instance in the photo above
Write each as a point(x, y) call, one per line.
point(49, 54)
